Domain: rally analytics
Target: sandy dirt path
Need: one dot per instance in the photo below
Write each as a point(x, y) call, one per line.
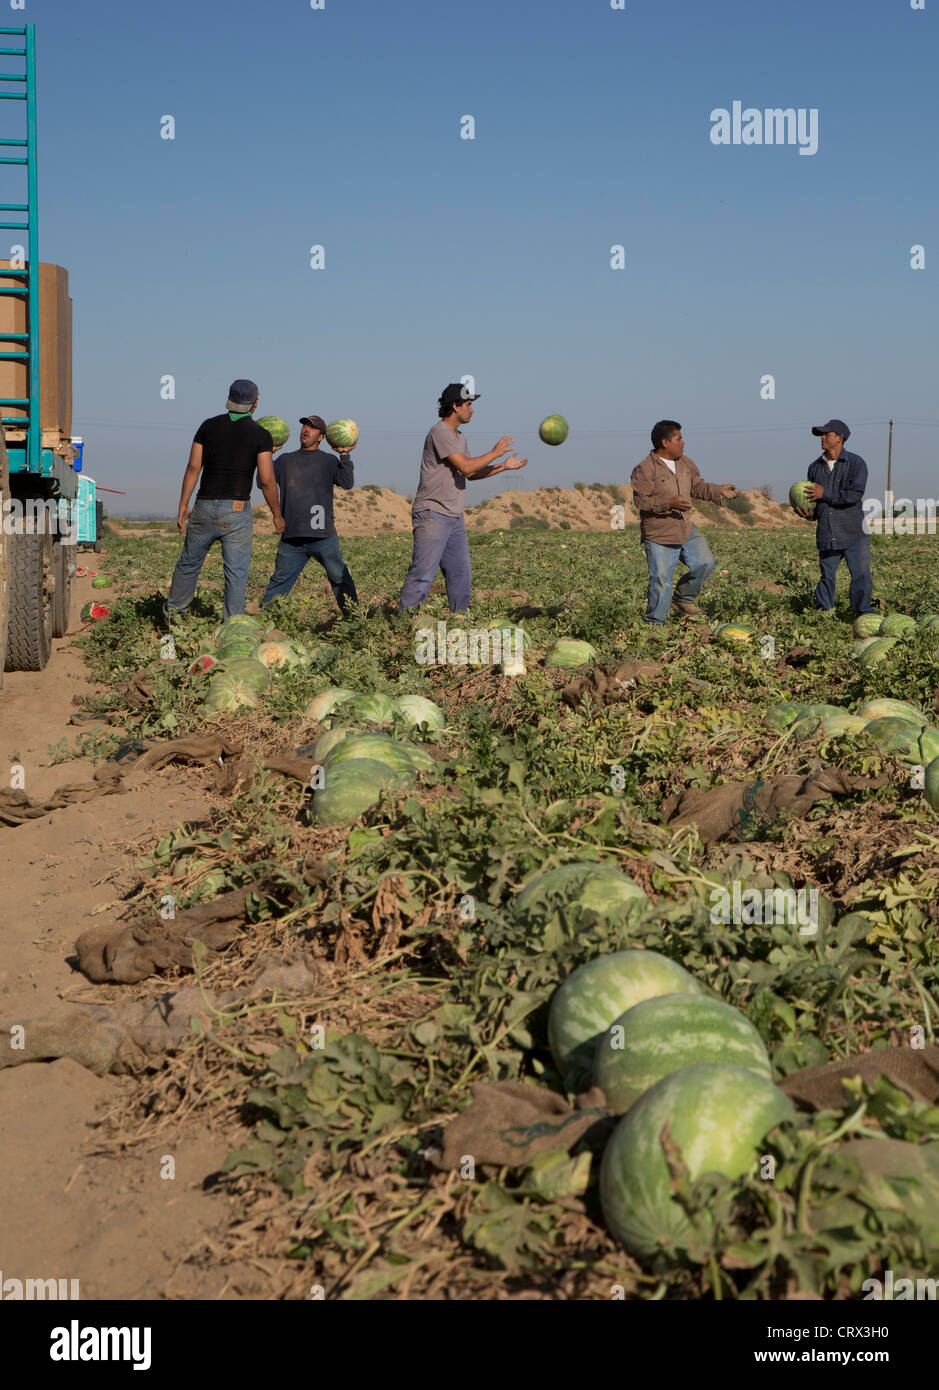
point(75, 1208)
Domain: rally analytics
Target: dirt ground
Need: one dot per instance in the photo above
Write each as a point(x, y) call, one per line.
point(77, 1206)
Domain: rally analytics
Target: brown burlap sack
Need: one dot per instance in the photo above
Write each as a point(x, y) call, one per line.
point(744, 810)
point(611, 684)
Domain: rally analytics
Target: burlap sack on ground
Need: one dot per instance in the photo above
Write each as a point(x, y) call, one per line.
point(126, 955)
point(607, 685)
point(745, 810)
point(510, 1122)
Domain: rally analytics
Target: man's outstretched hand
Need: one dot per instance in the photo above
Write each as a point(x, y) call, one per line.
point(514, 462)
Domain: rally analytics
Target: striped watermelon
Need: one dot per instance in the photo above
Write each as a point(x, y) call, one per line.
point(580, 894)
point(837, 725)
point(733, 634)
point(662, 1035)
point(931, 787)
point(594, 997)
point(798, 495)
point(781, 716)
point(876, 652)
point(897, 625)
point(718, 1116)
point(912, 743)
point(350, 789)
point(879, 709)
point(867, 625)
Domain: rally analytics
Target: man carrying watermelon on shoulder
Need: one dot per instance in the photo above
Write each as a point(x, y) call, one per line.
point(663, 486)
point(837, 482)
point(227, 451)
point(437, 513)
point(306, 478)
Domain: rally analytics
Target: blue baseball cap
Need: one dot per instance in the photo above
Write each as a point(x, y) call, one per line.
point(242, 394)
point(833, 427)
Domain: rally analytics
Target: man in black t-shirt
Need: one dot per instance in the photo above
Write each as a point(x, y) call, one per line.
point(306, 478)
point(227, 451)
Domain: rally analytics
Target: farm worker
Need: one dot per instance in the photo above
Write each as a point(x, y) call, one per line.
point(227, 450)
point(663, 486)
point(306, 478)
point(437, 512)
point(839, 479)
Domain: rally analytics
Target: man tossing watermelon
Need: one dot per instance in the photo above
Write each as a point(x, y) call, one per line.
point(833, 496)
point(437, 513)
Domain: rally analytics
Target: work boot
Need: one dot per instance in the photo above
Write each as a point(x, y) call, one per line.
point(688, 609)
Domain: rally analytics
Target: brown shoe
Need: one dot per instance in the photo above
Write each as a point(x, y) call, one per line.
point(688, 609)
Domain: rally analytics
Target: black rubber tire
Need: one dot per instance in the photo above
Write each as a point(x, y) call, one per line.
point(29, 635)
point(63, 562)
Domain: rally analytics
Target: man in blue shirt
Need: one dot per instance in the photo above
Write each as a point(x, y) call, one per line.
point(306, 478)
point(839, 480)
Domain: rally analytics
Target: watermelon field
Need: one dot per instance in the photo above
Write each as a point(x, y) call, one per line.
point(413, 1110)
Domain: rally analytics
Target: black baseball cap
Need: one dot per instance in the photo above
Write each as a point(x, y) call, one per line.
point(316, 422)
point(833, 427)
point(457, 394)
point(242, 393)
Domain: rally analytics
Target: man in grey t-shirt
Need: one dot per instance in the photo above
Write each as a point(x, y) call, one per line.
point(437, 513)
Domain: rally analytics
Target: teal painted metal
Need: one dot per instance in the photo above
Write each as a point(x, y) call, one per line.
point(51, 465)
point(33, 437)
point(85, 511)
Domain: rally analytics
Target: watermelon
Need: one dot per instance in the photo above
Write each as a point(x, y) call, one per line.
point(867, 625)
point(350, 789)
point(419, 712)
point(375, 708)
point(897, 736)
point(570, 652)
point(278, 656)
point(781, 716)
point(718, 1115)
point(101, 581)
point(204, 662)
point(277, 428)
point(798, 495)
point(879, 709)
point(876, 652)
point(93, 611)
point(733, 634)
point(553, 429)
point(235, 645)
point(226, 694)
point(241, 623)
point(379, 747)
point(246, 669)
point(811, 719)
point(327, 742)
point(594, 996)
point(838, 725)
point(342, 434)
point(662, 1035)
point(931, 787)
point(897, 625)
point(511, 667)
point(928, 623)
point(861, 646)
point(323, 705)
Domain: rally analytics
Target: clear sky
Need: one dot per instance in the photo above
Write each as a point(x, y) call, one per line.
point(341, 127)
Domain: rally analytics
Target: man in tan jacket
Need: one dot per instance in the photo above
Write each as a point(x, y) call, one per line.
point(663, 486)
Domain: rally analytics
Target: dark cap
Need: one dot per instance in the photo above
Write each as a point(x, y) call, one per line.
point(456, 394)
point(833, 427)
point(242, 393)
point(316, 422)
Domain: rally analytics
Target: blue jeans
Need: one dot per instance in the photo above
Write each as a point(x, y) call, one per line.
point(858, 559)
point(695, 553)
point(212, 521)
point(438, 540)
point(291, 560)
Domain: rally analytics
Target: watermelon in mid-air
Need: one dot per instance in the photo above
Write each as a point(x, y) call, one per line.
point(553, 429)
point(277, 428)
point(799, 495)
point(718, 1116)
point(342, 434)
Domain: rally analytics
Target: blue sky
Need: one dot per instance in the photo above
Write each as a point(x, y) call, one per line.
point(340, 127)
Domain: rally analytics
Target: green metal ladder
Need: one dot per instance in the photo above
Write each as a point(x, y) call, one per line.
point(26, 344)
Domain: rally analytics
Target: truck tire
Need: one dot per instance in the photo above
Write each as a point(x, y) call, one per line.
point(64, 563)
point(29, 633)
point(4, 556)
